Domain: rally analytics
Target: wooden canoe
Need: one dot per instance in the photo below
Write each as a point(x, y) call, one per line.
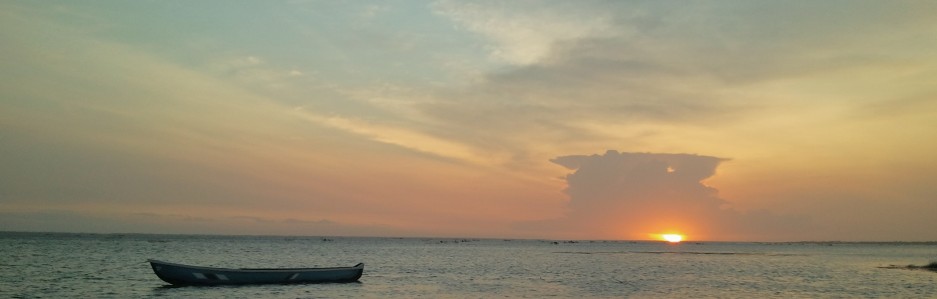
point(179, 274)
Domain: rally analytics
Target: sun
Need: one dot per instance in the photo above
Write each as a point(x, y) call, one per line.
point(672, 238)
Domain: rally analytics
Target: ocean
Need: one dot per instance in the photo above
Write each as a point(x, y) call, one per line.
point(58, 265)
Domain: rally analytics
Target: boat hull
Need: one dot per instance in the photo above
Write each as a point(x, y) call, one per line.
point(179, 274)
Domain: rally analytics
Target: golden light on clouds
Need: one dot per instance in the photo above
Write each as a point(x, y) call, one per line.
point(397, 136)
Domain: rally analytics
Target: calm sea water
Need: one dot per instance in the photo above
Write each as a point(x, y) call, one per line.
point(41, 265)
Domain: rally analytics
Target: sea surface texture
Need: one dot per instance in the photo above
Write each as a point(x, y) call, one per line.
point(48, 265)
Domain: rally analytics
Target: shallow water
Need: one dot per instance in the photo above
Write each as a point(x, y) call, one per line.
point(40, 265)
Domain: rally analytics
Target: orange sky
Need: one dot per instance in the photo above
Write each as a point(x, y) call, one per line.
point(579, 120)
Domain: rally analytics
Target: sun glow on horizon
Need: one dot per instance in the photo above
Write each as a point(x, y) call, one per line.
point(672, 238)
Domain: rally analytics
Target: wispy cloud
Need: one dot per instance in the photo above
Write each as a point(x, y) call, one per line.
point(399, 136)
point(525, 34)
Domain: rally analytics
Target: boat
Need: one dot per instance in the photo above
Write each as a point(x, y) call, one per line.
point(179, 274)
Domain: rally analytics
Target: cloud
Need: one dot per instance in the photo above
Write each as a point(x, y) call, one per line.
point(524, 35)
point(403, 137)
point(657, 76)
point(635, 195)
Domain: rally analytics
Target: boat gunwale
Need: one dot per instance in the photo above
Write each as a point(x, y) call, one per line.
point(255, 270)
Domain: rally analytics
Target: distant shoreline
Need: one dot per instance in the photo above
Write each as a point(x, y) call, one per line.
point(818, 243)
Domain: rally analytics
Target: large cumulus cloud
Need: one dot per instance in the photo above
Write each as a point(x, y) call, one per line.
point(633, 195)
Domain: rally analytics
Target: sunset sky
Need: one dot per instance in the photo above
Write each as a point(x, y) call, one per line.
point(719, 120)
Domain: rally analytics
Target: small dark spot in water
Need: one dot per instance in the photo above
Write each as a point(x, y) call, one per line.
point(929, 267)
